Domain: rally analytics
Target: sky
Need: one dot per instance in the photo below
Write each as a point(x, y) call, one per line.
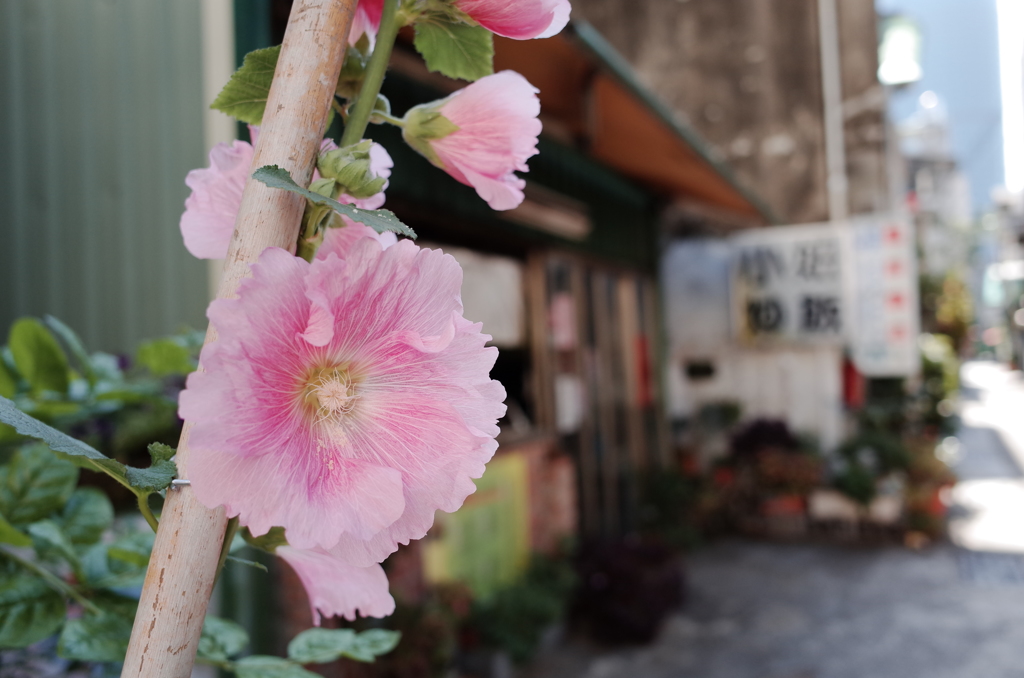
point(960, 62)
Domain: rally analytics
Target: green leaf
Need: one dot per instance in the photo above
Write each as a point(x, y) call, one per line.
point(245, 95)
point(373, 643)
point(11, 535)
point(8, 381)
point(160, 473)
point(155, 478)
point(455, 49)
point(86, 515)
point(132, 550)
point(38, 356)
point(99, 637)
point(221, 639)
point(319, 646)
point(34, 484)
point(379, 220)
point(49, 540)
point(67, 447)
point(102, 570)
point(164, 357)
point(267, 542)
point(29, 609)
point(262, 666)
point(75, 345)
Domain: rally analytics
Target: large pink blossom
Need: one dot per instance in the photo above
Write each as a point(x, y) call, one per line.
point(210, 210)
point(493, 130)
point(337, 589)
point(345, 400)
point(518, 19)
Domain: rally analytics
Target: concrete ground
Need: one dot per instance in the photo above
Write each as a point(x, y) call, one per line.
point(953, 610)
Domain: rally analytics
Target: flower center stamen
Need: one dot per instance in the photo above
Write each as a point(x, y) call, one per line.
point(333, 393)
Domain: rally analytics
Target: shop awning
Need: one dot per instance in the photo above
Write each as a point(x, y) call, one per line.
point(591, 98)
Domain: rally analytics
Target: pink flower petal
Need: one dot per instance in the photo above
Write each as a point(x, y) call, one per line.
point(366, 20)
point(360, 439)
point(336, 589)
point(519, 19)
point(210, 211)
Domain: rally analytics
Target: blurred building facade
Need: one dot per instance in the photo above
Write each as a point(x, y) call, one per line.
point(747, 75)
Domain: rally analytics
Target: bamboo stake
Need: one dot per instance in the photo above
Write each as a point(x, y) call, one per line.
point(183, 566)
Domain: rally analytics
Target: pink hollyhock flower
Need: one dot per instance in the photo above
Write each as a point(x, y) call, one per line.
point(210, 211)
point(518, 19)
point(337, 589)
point(481, 135)
point(345, 400)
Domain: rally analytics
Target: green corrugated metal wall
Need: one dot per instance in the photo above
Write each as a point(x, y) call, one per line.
point(101, 117)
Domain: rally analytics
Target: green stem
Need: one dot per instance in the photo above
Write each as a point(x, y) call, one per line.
point(359, 117)
point(390, 119)
point(225, 548)
point(147, 513)
point(52, 580)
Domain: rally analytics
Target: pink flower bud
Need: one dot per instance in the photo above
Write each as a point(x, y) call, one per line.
point(518, 19)
point(481, 135)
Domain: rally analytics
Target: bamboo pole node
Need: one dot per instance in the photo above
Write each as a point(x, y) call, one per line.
point(183, 566)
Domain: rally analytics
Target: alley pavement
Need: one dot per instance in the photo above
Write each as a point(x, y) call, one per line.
point(951, 610)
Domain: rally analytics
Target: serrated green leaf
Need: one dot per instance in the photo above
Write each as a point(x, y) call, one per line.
point(319, 646)
point(159, 474)
point(245, 95)
point(75, 345)
point(99, 637)
point(267, 542)
point(100, 570)
point(454, 49)
point(38, 356)
point(34, 484)
point(75, 451)
point(221, 639)
point(11, 535)
point(86, 515)
point(8, 381)
point(373, 643)
point(50, 541)
point(29, 609)
point(152, 479)
point(379, 220)
point(164, 357)
point(261, 666)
